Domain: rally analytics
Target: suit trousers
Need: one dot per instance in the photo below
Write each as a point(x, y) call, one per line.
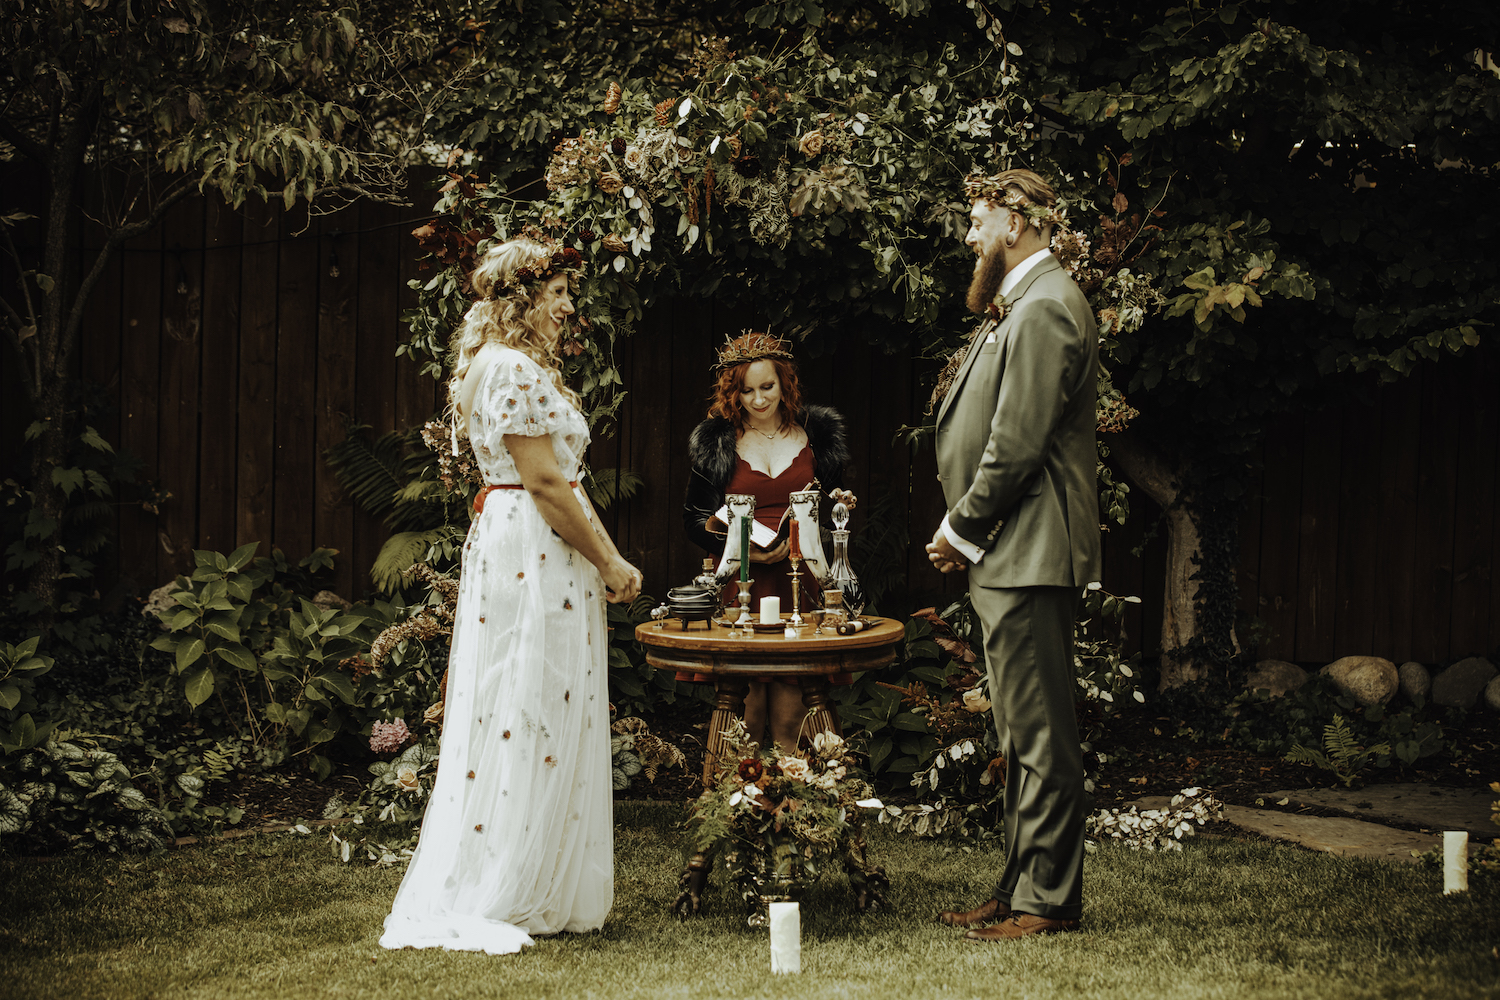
point(1028, 644)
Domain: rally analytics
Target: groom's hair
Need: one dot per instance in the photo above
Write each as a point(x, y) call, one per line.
point(1031, 185)
point(1026, 183)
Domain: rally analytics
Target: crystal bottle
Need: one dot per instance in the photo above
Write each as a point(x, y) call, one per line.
point(840, 574)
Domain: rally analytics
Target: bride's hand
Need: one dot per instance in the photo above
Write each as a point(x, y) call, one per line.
point(622, 580)
point(771, 555)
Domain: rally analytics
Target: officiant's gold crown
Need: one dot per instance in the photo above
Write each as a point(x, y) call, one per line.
point(750, 346)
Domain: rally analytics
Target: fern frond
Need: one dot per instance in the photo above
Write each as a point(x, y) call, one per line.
point(396, 556)
point(369, 470)
point(1339, 744)
point(605, 486)
point(880, 548)
point(1300, 754)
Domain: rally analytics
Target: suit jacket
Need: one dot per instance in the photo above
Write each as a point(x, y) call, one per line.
point(1015, 439)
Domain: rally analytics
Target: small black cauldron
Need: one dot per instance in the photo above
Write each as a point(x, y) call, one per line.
point(692, 604)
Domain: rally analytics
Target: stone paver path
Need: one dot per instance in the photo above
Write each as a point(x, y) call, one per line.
point(1358, 835)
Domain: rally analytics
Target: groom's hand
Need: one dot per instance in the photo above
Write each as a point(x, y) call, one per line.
point(943, 555)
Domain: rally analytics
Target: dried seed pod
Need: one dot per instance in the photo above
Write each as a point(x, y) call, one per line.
point(611, 99)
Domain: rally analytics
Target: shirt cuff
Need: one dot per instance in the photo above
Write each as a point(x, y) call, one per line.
point(965, 548)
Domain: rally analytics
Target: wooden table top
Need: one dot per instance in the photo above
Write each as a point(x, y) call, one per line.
point(709, 649)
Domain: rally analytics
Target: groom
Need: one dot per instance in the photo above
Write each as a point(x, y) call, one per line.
point(1016, 457)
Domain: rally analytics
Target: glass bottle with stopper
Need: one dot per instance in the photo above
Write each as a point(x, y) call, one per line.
point(840, 574)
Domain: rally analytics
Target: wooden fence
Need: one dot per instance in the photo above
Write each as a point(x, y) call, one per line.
point(231, 349)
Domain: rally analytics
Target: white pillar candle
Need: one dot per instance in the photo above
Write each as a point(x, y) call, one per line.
point(1455, 862)
point(770, 610)
point(786, 938)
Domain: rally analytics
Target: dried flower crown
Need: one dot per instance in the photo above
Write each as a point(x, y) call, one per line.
point(552, 261)
point(983, 186)
point(750, 346)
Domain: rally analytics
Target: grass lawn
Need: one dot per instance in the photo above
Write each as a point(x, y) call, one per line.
point(275, 916)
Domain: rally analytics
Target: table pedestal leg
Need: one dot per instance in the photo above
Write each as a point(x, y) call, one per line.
point(729, 704)
point(819, 716)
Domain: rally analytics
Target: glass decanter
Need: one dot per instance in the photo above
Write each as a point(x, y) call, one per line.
point(840, 574)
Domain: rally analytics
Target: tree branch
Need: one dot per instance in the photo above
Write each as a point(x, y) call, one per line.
point(17, 138)
point(125, 233)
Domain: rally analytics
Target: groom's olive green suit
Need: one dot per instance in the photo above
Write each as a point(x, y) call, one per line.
point(1016, 457)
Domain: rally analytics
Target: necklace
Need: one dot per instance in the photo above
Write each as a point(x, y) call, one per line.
point(768, 437)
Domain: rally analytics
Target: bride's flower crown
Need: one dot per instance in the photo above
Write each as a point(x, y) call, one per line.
point(552, 261)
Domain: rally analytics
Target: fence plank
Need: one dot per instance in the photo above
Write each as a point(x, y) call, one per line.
point(1359, 525)
point(255, 445)
point(1318, 530)
point(1475, 427)
point(219, 377)
point(378, 330)
point(101, 369)
point(1400, 407)
point(296, 386)
point(1247, 576)
point(1280, 537)
point(181, 284)
point(1437, 474)
point(338, 284)
point(140, 393)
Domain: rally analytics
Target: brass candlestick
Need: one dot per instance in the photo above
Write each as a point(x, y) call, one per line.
point(796, 575)
point(744, 618)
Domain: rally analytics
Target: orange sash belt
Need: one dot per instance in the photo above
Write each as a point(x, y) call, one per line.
point(487, 490)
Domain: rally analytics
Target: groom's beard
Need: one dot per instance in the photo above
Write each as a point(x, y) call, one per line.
point(988, 274)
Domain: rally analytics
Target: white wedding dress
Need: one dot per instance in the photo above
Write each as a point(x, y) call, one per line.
point(518, 837)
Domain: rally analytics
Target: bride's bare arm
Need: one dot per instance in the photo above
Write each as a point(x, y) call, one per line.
point(537, 464)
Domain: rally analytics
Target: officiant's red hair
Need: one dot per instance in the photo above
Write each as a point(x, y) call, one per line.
point(725, 401)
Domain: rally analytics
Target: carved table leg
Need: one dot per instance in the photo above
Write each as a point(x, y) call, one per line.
point(868, 881)
point(692, 882)
point(730, 703)
point(819, 716)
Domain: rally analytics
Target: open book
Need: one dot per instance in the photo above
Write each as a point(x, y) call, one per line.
point(761, 536)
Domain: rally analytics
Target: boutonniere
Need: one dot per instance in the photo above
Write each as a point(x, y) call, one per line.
point(997, 309)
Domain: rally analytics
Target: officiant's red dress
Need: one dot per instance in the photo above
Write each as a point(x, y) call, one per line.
point(773, 495)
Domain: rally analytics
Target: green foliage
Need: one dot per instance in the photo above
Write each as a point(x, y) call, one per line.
point(1340, 754)
point(1266, 725)
point(60, 794)
point(297, 668)
point(389, 811)
point(91, 480)
point(19, 667)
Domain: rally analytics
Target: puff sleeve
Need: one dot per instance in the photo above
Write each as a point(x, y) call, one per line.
point(516, 397)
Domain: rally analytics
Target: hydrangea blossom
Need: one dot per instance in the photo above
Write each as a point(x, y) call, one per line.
point(388, 737)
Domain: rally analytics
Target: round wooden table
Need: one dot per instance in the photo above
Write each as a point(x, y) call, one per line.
point(734, 660)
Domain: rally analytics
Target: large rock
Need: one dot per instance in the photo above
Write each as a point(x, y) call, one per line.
point(1372, 680)
point(1492, 693)
point(1276, 677)
point(160, 601)
point(1416, 682)
point(327, 600)
point(1460, 685)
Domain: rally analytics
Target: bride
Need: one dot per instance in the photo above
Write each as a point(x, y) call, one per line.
point(518, 836)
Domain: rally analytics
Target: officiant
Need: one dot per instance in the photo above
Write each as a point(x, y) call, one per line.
point(760, 438)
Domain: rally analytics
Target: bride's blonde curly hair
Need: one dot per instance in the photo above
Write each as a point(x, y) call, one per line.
point(510, 313)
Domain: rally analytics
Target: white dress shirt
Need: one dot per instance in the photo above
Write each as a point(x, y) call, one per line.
point(1012, 278)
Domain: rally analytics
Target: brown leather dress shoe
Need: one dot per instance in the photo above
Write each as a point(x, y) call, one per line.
point(1019, 925)
point(987, 912)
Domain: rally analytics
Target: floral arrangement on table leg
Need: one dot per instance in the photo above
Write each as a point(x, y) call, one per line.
point(776, 818)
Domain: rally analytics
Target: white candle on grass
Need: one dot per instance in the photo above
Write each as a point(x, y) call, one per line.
point(1455, 862)
point(786, 938)
point(770, 610)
